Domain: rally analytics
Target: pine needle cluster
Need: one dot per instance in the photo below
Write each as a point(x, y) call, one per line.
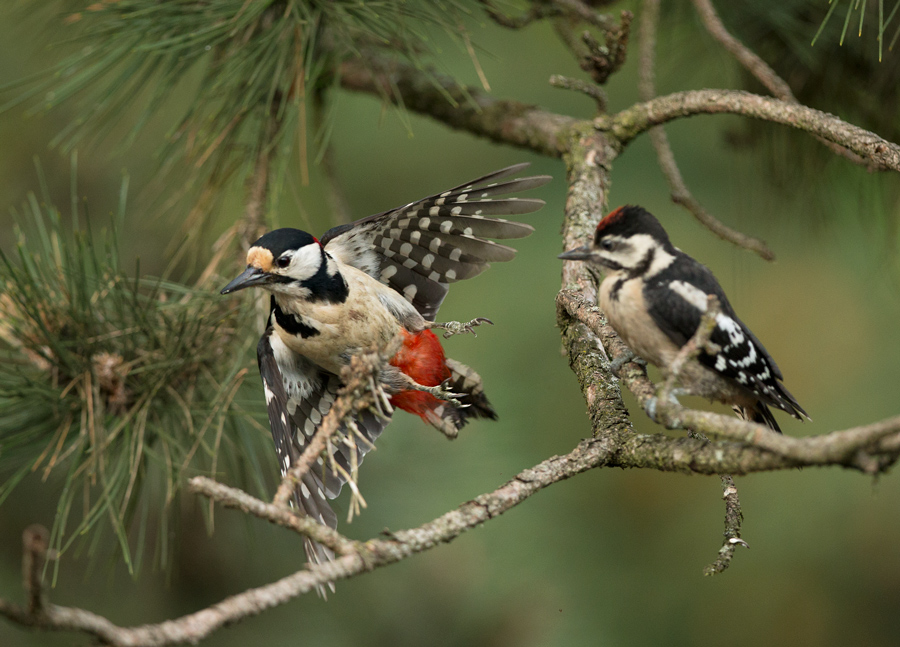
point(117, 386)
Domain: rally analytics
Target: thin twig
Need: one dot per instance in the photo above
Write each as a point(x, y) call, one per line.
point(537, 11)
point(763, 73)
point(699, 342)
point(594, 91)
point(280, 515)
point(679, 192)
point(733, 519)
point(35, 541)
point(743, 54)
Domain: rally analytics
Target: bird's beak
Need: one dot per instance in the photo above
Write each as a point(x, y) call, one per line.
point(577, 254)
point(250, 277)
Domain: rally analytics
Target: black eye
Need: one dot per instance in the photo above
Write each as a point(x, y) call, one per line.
point(607, 244)
point(283, 261)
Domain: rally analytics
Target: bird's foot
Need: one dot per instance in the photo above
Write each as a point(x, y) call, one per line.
point(451, 328)
point(653, 403)
point(442, 392)
point(628, 356)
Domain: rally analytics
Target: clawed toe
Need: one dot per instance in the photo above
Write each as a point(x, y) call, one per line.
point(460, 327)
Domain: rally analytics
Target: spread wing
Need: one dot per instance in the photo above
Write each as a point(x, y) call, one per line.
point(298, 395)
point(420, 248)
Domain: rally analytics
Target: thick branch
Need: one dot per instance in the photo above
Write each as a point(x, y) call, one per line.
point(657, 452)
point(629, 123)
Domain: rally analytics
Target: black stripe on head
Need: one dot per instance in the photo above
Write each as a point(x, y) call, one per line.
point(282, 240)
point(630, 220)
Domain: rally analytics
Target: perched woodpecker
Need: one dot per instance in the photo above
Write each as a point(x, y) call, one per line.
point(654, 296)
point(359, 287)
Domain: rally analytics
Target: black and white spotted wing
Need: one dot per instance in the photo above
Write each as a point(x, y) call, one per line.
point(298, 395)
point(420, 248)
point(676, 298)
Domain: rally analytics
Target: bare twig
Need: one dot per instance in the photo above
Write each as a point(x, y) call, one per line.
point(698, 343)
point(35, 542)
point(733, 520)
point(763, 73)
point(280, 515)
point(537, 11)
point(743, 54)
point(592, 90)
point(680, 193)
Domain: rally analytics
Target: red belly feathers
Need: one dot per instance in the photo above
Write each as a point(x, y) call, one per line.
point(422, 359)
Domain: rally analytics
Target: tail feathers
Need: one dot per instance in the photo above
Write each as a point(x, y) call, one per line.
point(759, 413)
point(316, 553)
point(788, 402)
point(443, 416)
point(464, 380)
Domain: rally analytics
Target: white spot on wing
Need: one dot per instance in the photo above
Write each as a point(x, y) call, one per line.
point(690, 293)
point(269, 394)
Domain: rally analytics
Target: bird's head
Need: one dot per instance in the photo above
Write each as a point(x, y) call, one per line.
point(624, 241)
point(282, 261)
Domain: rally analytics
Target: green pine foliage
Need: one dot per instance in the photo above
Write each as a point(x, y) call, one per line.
point(253, 64)
point(115, 386)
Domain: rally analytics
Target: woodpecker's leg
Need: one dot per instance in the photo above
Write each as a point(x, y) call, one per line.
point(622, 360)
point(441, 392)
point(396, 381)
point(458, 327)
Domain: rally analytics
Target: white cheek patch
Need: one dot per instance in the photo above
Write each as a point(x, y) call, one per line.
point(304, 263)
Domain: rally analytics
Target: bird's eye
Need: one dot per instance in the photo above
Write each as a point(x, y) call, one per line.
point(283, 261)
point(607, 244)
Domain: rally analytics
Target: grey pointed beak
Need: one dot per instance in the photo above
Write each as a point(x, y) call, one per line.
point(577, 254)
point(249, 278)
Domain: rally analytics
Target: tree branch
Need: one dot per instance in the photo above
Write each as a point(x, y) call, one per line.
point(610, 448)
point(763, 73)
point(869, 448)
point(679, 191)
point(629, 123)
point(733, 520)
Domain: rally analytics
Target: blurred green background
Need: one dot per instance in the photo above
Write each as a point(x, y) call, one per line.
point(611, 557)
